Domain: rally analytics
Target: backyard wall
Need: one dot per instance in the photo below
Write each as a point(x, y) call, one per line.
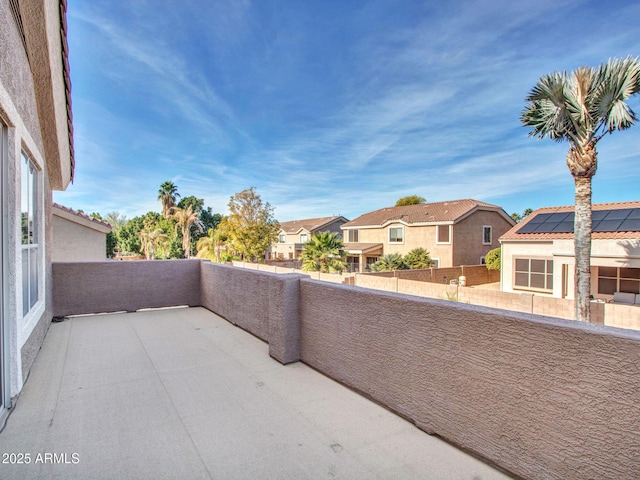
point(474, 274)
point(541, 397)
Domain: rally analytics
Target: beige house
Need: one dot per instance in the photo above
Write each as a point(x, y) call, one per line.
point(457, 232)
point(294, 234)
point(36, 157)
point(77, 237)
point(538, 253)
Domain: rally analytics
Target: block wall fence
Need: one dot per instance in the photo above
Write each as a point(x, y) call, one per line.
point(543, 398)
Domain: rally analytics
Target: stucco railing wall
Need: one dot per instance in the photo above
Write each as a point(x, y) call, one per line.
point(263, 303)
point(326, 277)
point(110, 286)
point(540, 397)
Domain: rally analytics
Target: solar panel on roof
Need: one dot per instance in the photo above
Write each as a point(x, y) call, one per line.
point(612, 220)
point(606, 226)
point(618, 214)
point(528, 228)
point(563, 227)
point(630, 225)
point(598, 215)
point(635, 213)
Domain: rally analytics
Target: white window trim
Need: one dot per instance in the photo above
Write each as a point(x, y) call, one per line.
point(305, 239)
point(435, 263)
point(484, 227)
point(29, 321)
point(282, 238)
point(438, 227)
point(389, 235)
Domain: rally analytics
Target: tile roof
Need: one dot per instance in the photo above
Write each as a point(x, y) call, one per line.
point(353, 247)
point(514, 235)
point(438, 212)
point(82, 215)
point(309, 224)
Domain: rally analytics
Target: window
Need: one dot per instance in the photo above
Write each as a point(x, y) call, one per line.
point(443, 234)
point(283, 238)
point(435, 263)
point(30, 225)
point(303, 238)
point(396, 234)
point(486, 235)
point(614, 279)
point(534, 274)
point(353, 235)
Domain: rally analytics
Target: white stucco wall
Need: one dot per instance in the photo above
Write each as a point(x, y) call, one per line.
point(605, 253)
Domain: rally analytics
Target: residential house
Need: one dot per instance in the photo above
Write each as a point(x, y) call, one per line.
point(457, 232)
point(77, 237)
point(294, 234)
point(36, 157)
point(538, 253)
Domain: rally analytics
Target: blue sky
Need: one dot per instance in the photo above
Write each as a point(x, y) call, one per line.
point(333, 107)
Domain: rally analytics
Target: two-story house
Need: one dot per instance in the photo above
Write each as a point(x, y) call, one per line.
point(294, 234)
point(538, 254)
point(36, 157)
point(457, 232)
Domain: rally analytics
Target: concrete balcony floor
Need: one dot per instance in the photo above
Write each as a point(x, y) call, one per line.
point(183, 394)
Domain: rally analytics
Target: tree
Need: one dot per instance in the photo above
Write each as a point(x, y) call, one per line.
point(167, 195)
point(251, 226)
point(185, 219)
point(324, 252)
point(493, 259)
point(389, 262)
point(517, 217)
point(410, 200)
point(150, 239)
point(418, 258)
point(210, 246)
point(581, 108)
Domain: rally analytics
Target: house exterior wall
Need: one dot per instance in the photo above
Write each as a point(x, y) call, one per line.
point(468, 245)
point(28, 99)
point(292, 246)
point(604, 253)
point(76, 243)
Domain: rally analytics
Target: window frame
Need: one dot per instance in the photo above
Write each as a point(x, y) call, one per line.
point(304, 238)
point(395, 242)
point(484, 235)
point(32, 287)
point(438, 242)
point(282, 238)
point(547, 274)
point(619, 278)
point(354, 235)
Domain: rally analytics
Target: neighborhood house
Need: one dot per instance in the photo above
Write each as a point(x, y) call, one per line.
point(538, 253)
point(294, 234)
point(77, 237)
point(457, 232)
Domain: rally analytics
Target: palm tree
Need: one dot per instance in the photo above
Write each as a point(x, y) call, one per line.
point(581, 108)
point(418, 258)
point(185, 219)
point(324, 252)
point(167, 195)
point(211, 245)
point(150, 240)
point(389, 262)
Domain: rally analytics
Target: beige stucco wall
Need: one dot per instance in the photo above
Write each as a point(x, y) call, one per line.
point(468, 246)
point(22, 114)
point(73, 242)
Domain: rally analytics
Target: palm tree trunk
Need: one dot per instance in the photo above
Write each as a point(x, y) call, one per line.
point(582, 237)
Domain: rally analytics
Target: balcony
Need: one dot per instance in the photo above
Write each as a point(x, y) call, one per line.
point(183, 393)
